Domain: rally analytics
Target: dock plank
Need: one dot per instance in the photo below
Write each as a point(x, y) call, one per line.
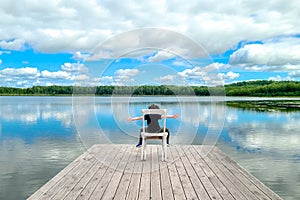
point(80, 186)
point(81, 178)
point(257, 187)
point(108, 175)
point(177, 188)
point(122, 189)
point(77, 189)
point(116, 178)
point(68, 178)
point(185, 181)
point(134, 185)
point(205, 188)
point(145, 182)
point(155, 178)
point(217, 177)
point(166, 187)
point(233, 179)
point(115, 171)
point(91, 185)
point(56, 179)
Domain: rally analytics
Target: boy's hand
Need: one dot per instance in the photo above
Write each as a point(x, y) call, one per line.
point(175, 116)
point(129, 119)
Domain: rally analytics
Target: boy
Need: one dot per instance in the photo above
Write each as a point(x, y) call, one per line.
point(152, 123)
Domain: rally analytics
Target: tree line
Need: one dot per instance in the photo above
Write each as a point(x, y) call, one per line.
point(264, 88)
point(261, 88)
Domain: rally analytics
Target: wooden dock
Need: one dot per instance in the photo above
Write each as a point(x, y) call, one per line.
point(190, 172)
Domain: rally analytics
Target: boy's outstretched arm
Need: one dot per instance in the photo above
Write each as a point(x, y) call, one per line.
point(172, 116)
point(130, 119)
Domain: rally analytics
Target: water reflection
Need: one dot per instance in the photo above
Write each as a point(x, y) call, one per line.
point(40, 135)
point(268, 145)
point(37, 140)
point(30, 112)
point(269, 132)
point(106, 122)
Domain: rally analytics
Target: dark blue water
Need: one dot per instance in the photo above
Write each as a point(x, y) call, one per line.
point(39, 136)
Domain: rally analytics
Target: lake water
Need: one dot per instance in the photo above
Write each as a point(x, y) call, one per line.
point(39, 136)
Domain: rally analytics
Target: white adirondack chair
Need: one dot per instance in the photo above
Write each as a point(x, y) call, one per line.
point(161, 135)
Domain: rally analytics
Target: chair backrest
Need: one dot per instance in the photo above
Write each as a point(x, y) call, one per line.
point(162, 112)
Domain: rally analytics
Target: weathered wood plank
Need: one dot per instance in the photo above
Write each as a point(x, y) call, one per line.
point(39, 193)
point(185, 181)
point(90, 187)
point(234, 179)
point(134, 186)
point(68, 177)
point(73, 193)
point(82, 175)
point(155, 178)
point(103, 184)
point(201, 181)
point(255, 186)
point(122, 189)
point(166, 187)
point(190, 172)
point(216, 176)
point(145, 183)
point(177, 188)
point(69, 184)
point(119, 170)
point(219, 168)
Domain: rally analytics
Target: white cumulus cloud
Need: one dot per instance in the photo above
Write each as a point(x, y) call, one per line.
point(120, 77)
point(209, 74)
point(105, 80)
point(56, 75)
point(29, 72)
point(19, 77)
point(166, 79)
point(161, 55)
point(74, 67)
point(125, 73)
point(279, 55)
point(82, 77)
point(80, 56)
point(21, 83)
point(15, 44)
point(29, 76)
point(228, 76)
point(295, 74)
point(65, 26)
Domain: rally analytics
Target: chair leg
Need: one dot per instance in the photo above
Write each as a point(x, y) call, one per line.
point(164, 145)
point(143, 153)
point(165, 152)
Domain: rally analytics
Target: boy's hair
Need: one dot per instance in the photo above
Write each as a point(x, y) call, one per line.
point(153, 106)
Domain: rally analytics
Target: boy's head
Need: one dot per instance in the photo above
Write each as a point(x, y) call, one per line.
point(153, 106)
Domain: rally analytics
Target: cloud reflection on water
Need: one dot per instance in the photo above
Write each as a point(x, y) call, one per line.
point(269, 132)
point(31, 113)
point(37, 132)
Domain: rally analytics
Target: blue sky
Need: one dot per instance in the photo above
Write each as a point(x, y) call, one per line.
point(166, 42)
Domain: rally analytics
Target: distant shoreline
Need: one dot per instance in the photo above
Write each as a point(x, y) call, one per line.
point(262, 88)
point(168, 98)
point(95, 95)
